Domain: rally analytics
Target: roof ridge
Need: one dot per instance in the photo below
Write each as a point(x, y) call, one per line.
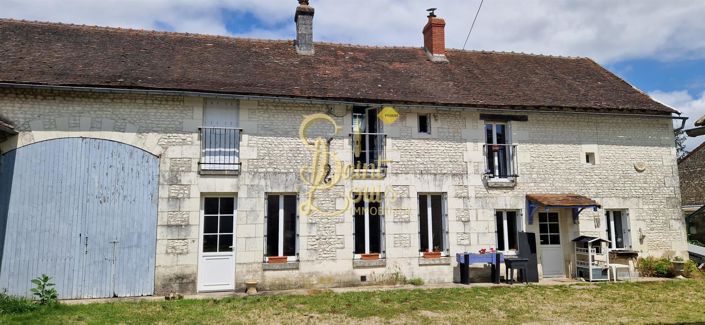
point(145, 31)
point(570, 57)
point(266, 40)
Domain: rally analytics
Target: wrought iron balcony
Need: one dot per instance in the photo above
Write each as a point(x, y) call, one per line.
point(500, 162)
point(220, 150)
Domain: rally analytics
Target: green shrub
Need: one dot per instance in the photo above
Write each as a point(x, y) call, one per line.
point(44, 290)
point(655, 267)
point(15, 305)
point(690, 270)
point(415, 281)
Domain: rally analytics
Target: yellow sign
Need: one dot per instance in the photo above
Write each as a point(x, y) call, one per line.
point(388, 115)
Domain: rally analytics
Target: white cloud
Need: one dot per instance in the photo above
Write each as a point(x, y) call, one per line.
point(605, 30)
point(691, 107)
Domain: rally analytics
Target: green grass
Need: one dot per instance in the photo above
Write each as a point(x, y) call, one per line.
point(654, 302)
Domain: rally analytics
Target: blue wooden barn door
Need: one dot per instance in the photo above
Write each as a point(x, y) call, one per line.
point(83, 211)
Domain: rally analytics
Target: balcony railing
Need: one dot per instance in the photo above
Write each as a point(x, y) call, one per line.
point(500, 161)
point(368, 150)
point(220, 150)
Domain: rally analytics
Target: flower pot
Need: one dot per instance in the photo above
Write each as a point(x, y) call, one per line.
point(431, 254)
point(372, 256)
point(277, 259)
point(678, 267)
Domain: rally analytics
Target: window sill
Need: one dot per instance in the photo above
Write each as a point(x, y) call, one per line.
point(369, 263)
point(220, 172)
point(495, 182)
point(280, 266)
point(445, 260)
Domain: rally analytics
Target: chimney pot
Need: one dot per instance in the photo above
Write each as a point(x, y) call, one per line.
point(304, 28)
point(434, 37)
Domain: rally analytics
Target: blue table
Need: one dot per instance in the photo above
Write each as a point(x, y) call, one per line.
point(475, 258)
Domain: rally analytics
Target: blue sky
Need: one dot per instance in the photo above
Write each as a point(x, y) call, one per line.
point(657, 46)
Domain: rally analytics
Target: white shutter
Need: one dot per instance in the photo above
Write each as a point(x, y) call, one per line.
point(266, 210)
point(444, 216)
point(627, 230)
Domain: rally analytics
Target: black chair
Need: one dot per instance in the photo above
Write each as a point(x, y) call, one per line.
point(515, 263)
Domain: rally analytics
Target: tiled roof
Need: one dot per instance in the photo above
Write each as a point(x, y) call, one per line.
point(565, 200)
point(72, 55)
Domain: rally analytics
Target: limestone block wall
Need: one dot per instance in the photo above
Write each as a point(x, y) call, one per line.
point(550, 149)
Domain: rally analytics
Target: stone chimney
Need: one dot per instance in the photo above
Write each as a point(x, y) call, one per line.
point(304, 28)
point(434, 38)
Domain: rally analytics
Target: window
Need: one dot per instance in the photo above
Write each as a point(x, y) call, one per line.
point(433, 223)
point(220, 137)
point(281, 233)
point(499, 151)
point(590, 158)
point(368, 220)
point(218, 224)
point(549, 228)
point(368, 138)
point(618, 229)
point(424, 123)
point(507, 230)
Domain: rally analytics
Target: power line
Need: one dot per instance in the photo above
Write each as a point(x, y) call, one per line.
point(473, 24)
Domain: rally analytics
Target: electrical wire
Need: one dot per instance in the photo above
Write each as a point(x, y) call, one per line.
point(473, 23)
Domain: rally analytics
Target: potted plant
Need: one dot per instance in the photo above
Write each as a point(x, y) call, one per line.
point(370, 256)
point(277, 259)
point(435, 253)
point(678, 265)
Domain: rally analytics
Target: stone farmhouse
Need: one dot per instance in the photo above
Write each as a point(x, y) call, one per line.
point(140, 162)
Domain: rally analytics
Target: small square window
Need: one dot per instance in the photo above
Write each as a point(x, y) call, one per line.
point(424, 124)
point(590, 158)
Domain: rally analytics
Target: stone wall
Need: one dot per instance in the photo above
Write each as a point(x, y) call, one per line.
point(692, 177)
point(550, 148)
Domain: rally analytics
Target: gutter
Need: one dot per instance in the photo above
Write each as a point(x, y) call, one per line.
point(328, 101)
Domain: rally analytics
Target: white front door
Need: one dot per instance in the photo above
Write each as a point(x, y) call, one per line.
point(552, 261)
point(216, 263)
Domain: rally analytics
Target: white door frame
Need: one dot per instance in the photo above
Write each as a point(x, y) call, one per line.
point(553, 249)
point(200, 286)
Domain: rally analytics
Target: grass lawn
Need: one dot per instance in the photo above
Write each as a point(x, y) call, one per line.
point(652, 302)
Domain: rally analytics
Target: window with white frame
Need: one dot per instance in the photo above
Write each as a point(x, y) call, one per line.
point(499, 151)
point(433, 223)
point(368, 222)
point(618, 229)
point(281, 226)
point(424, 123)
point(368, 138)
point(508, 227)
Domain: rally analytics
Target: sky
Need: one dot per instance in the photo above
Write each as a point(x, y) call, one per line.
point(657, 46)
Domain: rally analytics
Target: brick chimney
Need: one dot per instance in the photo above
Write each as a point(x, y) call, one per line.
point(434, 37)
point(304, 28)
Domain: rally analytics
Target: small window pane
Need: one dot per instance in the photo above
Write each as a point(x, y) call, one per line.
point(226, 224)
point(512, 230)
point(553, 228)
point(210, 205)
point(543, 228)
point(553, 217)
point(226, 243)
point(226, 205)
point(423, 223)
point(210, 224)
point(543, 217)
point(210, 243)
point(555, 240)
point(544, 239)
